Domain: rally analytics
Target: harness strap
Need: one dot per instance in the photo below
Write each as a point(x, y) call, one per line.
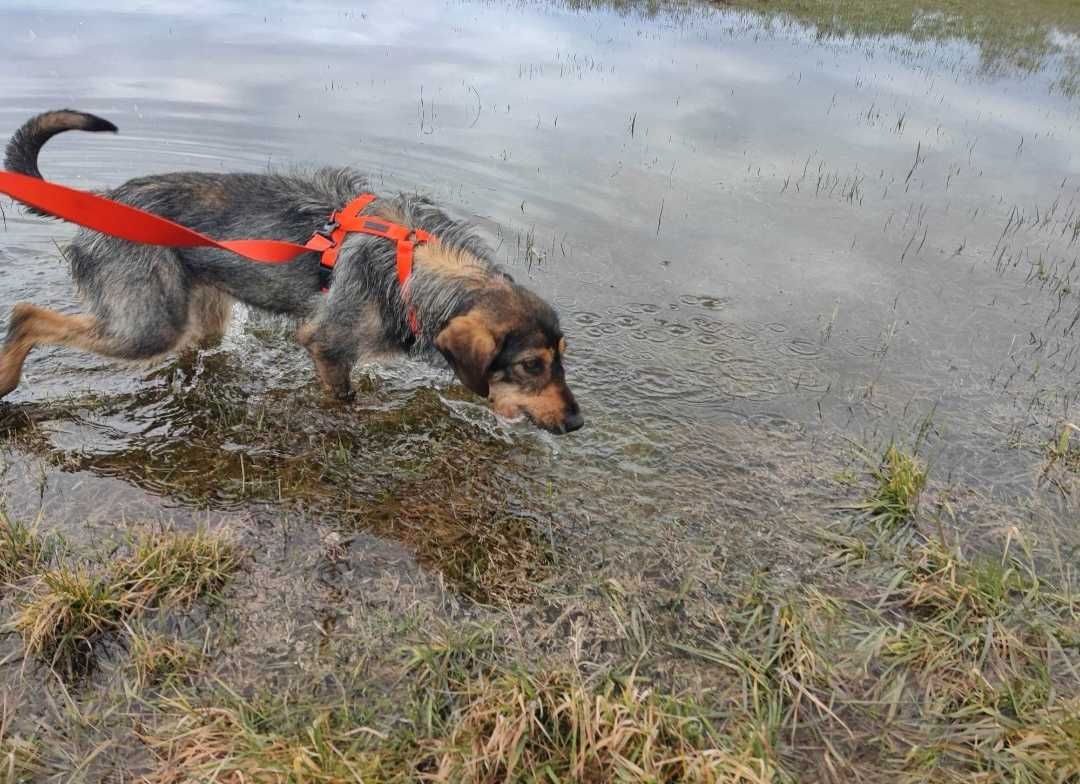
point(348, 220)
point(134, 225)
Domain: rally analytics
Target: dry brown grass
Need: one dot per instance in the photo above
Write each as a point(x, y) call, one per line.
point(521, 727)
point(510, 727)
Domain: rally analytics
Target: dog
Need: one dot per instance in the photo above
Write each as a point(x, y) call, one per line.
point(502, 341)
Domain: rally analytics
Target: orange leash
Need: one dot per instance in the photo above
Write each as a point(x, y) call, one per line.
point(134, 225)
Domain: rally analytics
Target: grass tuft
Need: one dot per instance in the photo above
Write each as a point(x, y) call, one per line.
point(157, 659)
point(900, 479)
point(177, 569)
point(69, 609)
point(239, 740)
point(20, 760)
point(522, 727)
point(1062, 463)
point(23, 552)
point(550, 726)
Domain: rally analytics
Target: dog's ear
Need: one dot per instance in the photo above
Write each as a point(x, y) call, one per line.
point(470, 347)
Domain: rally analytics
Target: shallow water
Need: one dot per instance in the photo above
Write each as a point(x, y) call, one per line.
point(762, 244)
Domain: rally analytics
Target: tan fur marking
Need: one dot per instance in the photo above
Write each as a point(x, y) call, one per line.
point(545, 408)
point(545, 354)
point(385, 209)
point(213, 196)
point(209, 315)
point(32, 326)
point(448, 263)
point(59, 121)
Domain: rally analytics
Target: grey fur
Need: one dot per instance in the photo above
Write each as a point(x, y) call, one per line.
point(147, 300)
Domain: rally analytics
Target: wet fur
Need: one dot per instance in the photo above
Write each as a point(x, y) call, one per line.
point(145, 301)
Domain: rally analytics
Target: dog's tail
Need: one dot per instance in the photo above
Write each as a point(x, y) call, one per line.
point(22, 151)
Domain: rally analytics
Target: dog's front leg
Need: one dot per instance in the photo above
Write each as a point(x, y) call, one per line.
point(345, 326)
point(332, 356)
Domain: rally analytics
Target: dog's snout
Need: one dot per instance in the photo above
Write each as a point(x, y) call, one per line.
point(573, 422)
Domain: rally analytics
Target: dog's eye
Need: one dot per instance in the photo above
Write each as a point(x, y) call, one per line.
point(534, 366)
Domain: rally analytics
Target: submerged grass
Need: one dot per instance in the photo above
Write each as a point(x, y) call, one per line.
point(1064, 451)
point(444, 495)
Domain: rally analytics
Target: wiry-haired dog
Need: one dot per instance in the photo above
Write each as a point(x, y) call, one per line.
point(501, 340)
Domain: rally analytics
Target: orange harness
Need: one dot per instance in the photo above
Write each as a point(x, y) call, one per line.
point(134, 225)
point(348, 220)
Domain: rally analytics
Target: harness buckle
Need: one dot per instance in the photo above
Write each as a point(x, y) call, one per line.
point(327, 231)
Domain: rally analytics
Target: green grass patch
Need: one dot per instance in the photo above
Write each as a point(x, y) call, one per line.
point(157, 659)
point(1009, 34)
point(69, 609)
point(23, 551)
point(1065, 450)
point(899, 480)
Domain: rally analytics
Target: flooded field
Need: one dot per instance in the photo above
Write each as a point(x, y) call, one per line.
point(778, 245)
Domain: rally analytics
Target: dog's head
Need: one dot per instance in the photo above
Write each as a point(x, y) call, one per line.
point(508, 348)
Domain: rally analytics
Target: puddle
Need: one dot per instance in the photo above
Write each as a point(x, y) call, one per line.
point(765, 244)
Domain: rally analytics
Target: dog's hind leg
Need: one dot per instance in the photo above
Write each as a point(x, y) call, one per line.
point(140, 301)
point(31, 326)
point(209, 314)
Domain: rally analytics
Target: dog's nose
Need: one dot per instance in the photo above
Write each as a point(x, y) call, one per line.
point(573, 422)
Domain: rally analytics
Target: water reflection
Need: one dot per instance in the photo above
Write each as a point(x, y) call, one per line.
point(739, 222)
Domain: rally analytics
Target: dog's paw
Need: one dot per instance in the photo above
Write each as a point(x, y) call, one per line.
point(345, 395)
